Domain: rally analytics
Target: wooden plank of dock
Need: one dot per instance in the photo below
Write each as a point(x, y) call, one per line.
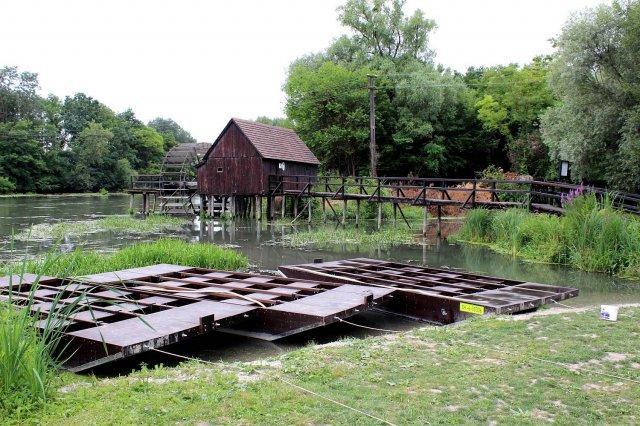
point(431, 294)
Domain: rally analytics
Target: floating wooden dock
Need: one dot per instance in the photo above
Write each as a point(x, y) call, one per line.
point(123, 313)
point(113, 315)
point(437, 295)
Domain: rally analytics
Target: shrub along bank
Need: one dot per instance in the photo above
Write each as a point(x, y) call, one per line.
point(591, 235)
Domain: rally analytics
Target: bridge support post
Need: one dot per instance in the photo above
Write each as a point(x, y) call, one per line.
point(224, 205)
point(131, 204)
point(258, 207)
point(395, 213)
point(324, 210)
point(439, 229)
point(284, 206)
point(357, 213)
point(425, 220)
point(295, 207)
point(344, 211)
point(145, 203)
point(310, 203)
point(379, 214)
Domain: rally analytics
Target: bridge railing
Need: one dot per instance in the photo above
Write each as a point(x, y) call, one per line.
point(146, 183)
point(531, 194)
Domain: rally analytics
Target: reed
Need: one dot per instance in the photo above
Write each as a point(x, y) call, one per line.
point(165, 250)
point(28, 357)
point(592, 235)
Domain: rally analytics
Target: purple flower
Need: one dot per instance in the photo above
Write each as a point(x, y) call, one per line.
point(568, 198)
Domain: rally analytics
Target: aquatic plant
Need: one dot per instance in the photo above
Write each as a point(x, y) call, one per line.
point(592, 235)
point(166, 250)
point(28, 354)
point(331, 236)
point(120, 224)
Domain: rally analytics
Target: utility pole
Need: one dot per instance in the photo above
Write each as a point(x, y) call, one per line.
point(372, 125)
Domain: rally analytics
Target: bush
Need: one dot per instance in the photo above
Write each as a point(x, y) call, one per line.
point(6, 185)
point(592, 235)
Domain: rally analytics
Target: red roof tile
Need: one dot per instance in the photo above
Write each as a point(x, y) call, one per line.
point(276, 143)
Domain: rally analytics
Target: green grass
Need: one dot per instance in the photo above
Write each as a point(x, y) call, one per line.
point(166, 250)
point(591, 235)
point(119, 224)
point(336, 236)
point(482, 371)
point(27, 363)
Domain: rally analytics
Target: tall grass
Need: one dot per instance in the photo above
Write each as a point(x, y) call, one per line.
point(592, 235)
point(166, 250)
point(28, 355)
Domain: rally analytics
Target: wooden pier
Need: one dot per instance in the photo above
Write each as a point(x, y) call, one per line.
point(436, 295)
point(114, 315)
point(435, 195)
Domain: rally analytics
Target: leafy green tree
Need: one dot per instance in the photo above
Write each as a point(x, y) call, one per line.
point(21, 155)
point(80, 110)
point(18, 97)
point(91, 147)
point(509, 102)
point(383, 30)
point(330, 110)
point(171, 131)
point(6, 185)
point(596, 76)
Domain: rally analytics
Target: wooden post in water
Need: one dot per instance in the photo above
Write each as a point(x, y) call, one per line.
point(284, 205)
point(357, 213)
point(309, 208)
point(344, 211)
point(324, 210)
point(145, 203)
point(379, 214)
point(224, 205)
point(425, 220)
point(439, 229)
point(269, 208)
point(131, 203)
point(395, 213)
point(295, 207)
point(259, 207)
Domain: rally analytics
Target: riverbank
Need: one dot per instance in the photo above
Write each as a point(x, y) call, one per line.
point(541, 368)
point(69, 194)
point(591, 235)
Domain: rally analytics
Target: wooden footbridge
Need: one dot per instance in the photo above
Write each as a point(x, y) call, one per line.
point(436, 195)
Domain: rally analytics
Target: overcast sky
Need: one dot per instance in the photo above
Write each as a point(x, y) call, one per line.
point(201, 62)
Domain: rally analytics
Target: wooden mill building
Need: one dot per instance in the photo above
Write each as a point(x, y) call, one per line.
point(241, 160)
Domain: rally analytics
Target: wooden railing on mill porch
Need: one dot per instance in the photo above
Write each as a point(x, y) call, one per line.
point(434, 194)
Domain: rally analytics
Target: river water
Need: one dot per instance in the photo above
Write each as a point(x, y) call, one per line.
point(260, 243)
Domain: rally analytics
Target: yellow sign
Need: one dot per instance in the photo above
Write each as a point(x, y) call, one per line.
point(472, 309)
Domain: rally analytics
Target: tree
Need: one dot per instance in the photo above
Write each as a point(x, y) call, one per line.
point(509, 102)
point(171, 132)
point(596, 76)
point(80, 110)
point(330, 109)
point(18, 97)
point(383, 30)
point(91, 147)
point(21, 155)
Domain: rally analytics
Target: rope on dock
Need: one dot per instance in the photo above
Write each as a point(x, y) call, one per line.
point(367, 327)
point(310, 392)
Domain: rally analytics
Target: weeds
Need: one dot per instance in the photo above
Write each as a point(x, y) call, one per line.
point(325, 237)
point(592, 235)
point(166, 250)
point(122, 224)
